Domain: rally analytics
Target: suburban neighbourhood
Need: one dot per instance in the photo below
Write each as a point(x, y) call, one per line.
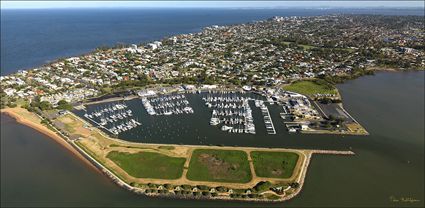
point(267, 53)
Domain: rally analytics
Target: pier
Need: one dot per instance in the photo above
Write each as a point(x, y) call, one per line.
point(167, 105)
point(114, 118)
point(266, 114)
point(232, 110)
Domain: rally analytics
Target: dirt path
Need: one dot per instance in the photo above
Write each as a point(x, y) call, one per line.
point(99, 144)
point(186, 164)
point(251, 165)
point(186, 151)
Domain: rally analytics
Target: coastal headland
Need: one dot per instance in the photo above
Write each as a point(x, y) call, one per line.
point(184, 179)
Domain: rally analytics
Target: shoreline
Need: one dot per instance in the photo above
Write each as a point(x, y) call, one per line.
point(49, 133)
point(104, 170)
point(392, 69)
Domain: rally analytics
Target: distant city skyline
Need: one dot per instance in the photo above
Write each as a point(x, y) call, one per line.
point(206, 4)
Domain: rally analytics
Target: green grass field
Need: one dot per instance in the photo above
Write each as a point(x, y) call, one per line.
point(149, 164)
point(274, 164)
point(311, 88)
point(219, 166)
point(309, 47)
point(305, 47)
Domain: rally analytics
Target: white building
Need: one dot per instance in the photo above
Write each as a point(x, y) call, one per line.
point(9, 91)
point(155, 45)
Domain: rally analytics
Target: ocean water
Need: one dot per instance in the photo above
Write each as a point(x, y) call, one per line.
point(31, 38)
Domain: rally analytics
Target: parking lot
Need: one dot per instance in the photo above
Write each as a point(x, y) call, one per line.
point(332, 109)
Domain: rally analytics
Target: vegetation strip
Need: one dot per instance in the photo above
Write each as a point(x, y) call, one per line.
point(219, 165)
point(256, 190)
point(148, 164)
point(312, 87)
point(274, 164)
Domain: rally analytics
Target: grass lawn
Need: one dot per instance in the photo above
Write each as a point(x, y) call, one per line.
point(219, 166)
point(309, 47)
point(311, 88)
point(69, 123)
point(274, 164)
point(149, 164)
point(305, 47)
point(21, 102)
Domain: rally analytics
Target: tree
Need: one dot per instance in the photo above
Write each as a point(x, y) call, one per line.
point(45, 105)
point(12, 105)
point(64, 105)
point(262, 186)
point(221, 189)
point(294, 185)
point(168, 186)
point(105, 90)
point(202, 187)
point(186, 187)
point(206, 193)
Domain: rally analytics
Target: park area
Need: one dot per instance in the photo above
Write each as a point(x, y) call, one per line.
point(219, 166)
point(242, 173)
point(274, 164)
point(312, 87)
point(148, 164)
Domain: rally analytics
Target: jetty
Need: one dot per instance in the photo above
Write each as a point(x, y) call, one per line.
point(167, 105)
point(231, 110)
point(266, 115)
point(115, 118)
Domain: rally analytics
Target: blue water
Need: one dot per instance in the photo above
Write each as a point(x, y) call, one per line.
point(31, 38)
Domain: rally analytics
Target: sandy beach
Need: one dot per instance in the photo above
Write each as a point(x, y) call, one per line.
point(26, 118)
point(122, 178)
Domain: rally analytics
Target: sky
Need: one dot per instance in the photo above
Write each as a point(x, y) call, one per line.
point(204, 4)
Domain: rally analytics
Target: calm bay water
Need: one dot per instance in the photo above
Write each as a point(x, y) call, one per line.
point(388, 164)
point(194, 129)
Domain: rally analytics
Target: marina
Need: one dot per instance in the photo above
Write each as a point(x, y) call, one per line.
point(114, 118)
point(218, 117)
point(214, 117)
point(232, 111)
point(266, 114)
point(167, 105)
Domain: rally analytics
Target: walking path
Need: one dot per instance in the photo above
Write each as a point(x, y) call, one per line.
point(119, 176)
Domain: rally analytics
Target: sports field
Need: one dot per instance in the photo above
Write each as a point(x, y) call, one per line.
point(148, 164)
point(219, 166)
point(274, 164)
point(310, 88)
